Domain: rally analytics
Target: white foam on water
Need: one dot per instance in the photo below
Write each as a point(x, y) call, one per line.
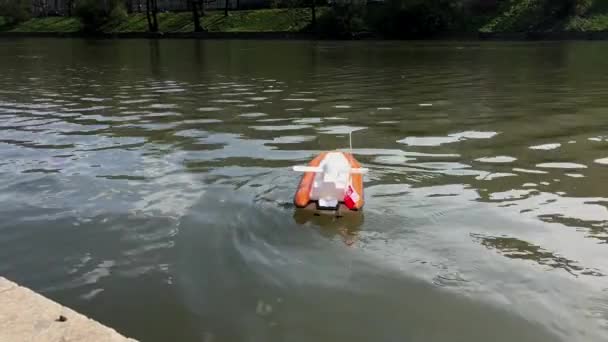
point(135, 101)
point(293, 139)
point(539, 172)
point(392, 159)
point(209, 109)
point(546, 146)
point(561, 166)
point(308, 121)
point(301, 99)
point(170, 90)
point(497, 159)
point(510, 195)
point(252, 115)
point(93, 99)
point(427, 141)
point(202, 121)
point(342, 106)
point(602, 161)
point(162, 106)
point(451, 138)
point(491, 176)
point(474, 135)
point(344, 129)
point(280, 127)
point(273, 120)
point(575, 175)
point(227, 101)
point(425, 104)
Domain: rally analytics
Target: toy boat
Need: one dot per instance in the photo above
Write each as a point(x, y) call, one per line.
point(331, 180)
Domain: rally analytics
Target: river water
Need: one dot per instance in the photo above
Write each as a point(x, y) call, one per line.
point(147, 184)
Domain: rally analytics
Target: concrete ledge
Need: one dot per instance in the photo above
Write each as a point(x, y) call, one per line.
point(28, 316)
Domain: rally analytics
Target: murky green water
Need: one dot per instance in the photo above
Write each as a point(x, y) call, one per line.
point(147, 184)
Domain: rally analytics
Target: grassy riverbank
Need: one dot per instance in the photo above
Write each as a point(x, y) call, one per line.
point(531, 15)
point(266, 20)
point(384, 20)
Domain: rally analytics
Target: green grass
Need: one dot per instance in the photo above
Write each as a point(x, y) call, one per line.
point(520, 16)
point(266, 20)
point(49, 24)
point(597, 22)
point(595, 19)
point(527, 15)
point(269, 20)
point(167, 22)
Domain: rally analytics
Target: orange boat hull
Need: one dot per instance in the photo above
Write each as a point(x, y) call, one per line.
point(302, 197)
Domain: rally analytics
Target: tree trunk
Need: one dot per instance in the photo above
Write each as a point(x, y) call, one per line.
point(196, 16)
point(148, 5)
point(238, 4)
point(70, 4)
point(45, 8)
point(313, 9)
point(155, 15)
point(226, 3)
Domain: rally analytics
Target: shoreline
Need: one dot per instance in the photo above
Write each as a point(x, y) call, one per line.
point(28, 316)
point(474, 36)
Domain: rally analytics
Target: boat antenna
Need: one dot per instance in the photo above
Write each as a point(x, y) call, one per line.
point(350, 140)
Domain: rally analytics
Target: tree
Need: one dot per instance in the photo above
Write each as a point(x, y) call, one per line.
point(95, 14)
point(15, 11)
point(226, 4)
point(151, 15)
point(313, 23)
point(196, 15)
point(129, 5)
point(40, 7)
point(70, 5)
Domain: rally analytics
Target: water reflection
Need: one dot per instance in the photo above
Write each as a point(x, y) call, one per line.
point(165, 164)
point(518, 249)
point(344, 223)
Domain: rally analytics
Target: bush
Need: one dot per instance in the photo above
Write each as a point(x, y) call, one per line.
point(343, 19)
point(15, 11)
point(95, 14)
point(415, 18)
point(91, 13)
point(118, 14)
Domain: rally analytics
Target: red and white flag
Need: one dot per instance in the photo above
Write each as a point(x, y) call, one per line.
point(351, 198)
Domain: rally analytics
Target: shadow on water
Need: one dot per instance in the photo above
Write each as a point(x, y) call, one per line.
point(330, 223)
point(518, 249)
point(250, 275)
